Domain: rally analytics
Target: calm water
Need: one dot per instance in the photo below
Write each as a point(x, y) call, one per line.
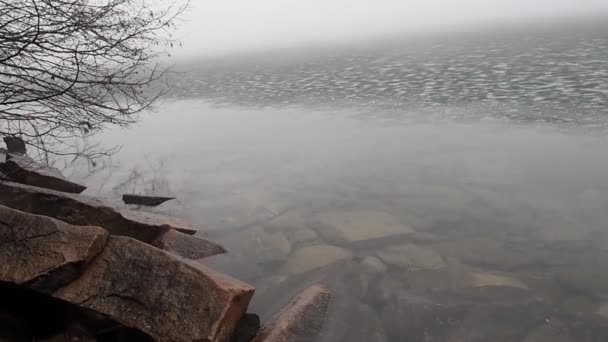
point(452, 188)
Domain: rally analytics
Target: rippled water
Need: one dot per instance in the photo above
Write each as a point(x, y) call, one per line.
point(447, 189)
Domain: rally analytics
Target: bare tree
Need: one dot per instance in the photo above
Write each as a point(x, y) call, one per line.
point(69, 68)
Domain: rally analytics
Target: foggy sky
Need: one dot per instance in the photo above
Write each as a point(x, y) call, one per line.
point(220, 26)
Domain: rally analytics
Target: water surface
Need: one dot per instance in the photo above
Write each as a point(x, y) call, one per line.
point(449, 189)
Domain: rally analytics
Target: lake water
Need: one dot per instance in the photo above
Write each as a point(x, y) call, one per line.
point(446, 188)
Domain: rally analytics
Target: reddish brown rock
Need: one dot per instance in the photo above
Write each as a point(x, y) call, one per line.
point(187, 246)
point(167, 297)
point(301, 320)
point(24, 170)
point(158, 230)
point(43, 253)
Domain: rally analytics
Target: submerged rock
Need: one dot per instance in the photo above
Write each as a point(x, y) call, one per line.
point(301, 320)
point(313, 257)
point(24, 170)
point(485, 279)
point(348, 227)
point(603, 310)
point(412, 257)
point(373, 265)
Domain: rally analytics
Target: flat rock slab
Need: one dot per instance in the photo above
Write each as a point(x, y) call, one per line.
point(348, 227)
point(25, 170)
point(150, 201)
point(187, 246)
point(44, 253)
point(301, 320)
point(166, 297)
point(412, 257)
point(313, 257)
point(81, 210)
point(486, 279)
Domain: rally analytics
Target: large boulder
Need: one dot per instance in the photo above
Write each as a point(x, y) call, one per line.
point(24, 170)
point(161, 231)
point(301, 320)
point(42, 252)
point(169, 298)
point(130, 282)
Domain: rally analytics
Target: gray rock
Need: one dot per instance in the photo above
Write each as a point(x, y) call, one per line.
point(348, 227)
point(313, 257)
point(301, 320)
point(412, 257)
point(373, 265)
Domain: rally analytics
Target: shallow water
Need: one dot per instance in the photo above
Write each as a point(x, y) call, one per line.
point(430, 221)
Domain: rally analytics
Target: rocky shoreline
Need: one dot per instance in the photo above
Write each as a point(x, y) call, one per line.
point(75, 268)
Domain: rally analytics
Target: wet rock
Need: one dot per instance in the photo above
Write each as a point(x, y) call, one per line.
point(412, 257)
point(258, 244)
point(15, 145)
point(551, 330)
point(313, 257)
point(167, 297)
point(150, 201)
point(348, 227)
point(187, 246)
point(302, 235)
point(44, 253)
point(484, 279)
point(289, 220)
point(603, 310)
point(301, 320)
point(373, 265)
point(494, 254)
point(81, 210)
point(25, 170)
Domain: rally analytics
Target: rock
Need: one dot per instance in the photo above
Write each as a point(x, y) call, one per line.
point(247, 328)
point(15, 145)
point(258, 244)
point(187, 246)
point(301, 320)
point(412, 257)
point(348, 227)
point(42, 252)
point(484, 279)
point(313, 257)
point(169, 298)
point(151, 201)
point(552, 330)
point(81, 210)
point(373, 265)
point(490, 253)
point(302, 235)
point(603, 310)
point(24, 170)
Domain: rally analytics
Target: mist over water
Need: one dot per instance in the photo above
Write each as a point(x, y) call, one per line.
point(448, 188)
